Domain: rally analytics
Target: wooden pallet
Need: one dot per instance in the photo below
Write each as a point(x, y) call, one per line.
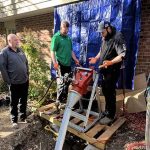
point(97, 136)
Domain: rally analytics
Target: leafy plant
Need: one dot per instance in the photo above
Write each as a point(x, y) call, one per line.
point(2, 41)
point(38, 68)
point(3, 85)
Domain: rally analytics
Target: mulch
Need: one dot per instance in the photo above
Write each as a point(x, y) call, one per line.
point(136, 121)
point(131, 136)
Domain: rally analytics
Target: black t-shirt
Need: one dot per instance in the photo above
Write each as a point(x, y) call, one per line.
point(111, 48)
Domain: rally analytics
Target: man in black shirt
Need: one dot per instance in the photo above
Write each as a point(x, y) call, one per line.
point(112, 52)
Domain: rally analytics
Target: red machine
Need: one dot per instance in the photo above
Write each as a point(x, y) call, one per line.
point(83, 77)
point(81, 80)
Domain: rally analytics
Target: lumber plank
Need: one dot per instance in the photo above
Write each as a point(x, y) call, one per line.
point(93, 131)
point(50, 118)
point(92, 141)
point(50, 111)
point(46, 107)
point(88, 136)
point(75, 120)
point(111, 130)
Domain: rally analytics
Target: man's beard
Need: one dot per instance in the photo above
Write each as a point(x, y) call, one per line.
point(108, 36)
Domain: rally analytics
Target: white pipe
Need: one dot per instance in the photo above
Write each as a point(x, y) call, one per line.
point(73, 98)
point(147, 130)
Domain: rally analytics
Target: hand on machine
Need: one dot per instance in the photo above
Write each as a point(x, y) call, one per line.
point(77, 62)
point(56, 66)
point(106, 64)
point(92, 60)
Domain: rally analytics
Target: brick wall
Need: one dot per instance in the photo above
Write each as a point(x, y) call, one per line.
point(42, 26)
point(2, 36)
point(143, 61)
point(2, 29)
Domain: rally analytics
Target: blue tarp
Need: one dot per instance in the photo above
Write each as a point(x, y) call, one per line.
point(84, 18)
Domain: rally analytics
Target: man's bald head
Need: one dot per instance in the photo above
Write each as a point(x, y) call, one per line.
point(13, 41)
point(11, 36)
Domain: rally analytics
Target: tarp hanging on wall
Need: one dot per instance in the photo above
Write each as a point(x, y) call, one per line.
point(84, 18)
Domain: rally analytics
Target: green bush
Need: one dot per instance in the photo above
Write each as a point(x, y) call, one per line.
point(3, 86)
point(2, 41)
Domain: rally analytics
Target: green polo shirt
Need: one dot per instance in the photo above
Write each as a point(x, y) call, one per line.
point(62, 46)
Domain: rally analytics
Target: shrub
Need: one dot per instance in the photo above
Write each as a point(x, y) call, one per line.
point(2, 41)
point(3, 86)
point(38, 67)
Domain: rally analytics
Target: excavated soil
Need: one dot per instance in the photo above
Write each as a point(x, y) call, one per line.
point(32, 136)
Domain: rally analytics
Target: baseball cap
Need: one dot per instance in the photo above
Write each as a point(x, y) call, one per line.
point(103, 25)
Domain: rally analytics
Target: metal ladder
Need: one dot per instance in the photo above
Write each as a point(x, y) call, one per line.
point(88, 112)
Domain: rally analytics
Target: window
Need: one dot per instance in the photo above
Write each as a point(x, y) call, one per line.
point(10, 27)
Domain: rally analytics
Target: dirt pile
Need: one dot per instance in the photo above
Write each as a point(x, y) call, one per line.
point(29, 136)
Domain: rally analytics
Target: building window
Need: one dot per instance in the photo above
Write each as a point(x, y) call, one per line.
point(9, 31)
point(10, 27)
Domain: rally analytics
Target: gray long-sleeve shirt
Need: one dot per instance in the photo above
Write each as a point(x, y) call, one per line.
point(14, 66)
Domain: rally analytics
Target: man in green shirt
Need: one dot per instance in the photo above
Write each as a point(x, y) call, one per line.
point(61, 54)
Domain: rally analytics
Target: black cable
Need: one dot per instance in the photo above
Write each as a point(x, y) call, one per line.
point(46, 90)
point(123, 84)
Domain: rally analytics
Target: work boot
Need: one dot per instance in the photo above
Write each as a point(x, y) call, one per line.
point(23, 121)
point(103, 114)
point(106, 121)
point(15, 125)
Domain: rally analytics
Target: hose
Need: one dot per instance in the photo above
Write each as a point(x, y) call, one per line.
point(41, 100)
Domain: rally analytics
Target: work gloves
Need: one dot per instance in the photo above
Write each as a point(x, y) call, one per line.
point(56, 66)
point(105, 64)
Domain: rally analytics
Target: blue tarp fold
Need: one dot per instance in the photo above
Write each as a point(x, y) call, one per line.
point(84, 18)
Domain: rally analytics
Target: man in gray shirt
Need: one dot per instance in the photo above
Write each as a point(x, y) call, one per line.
point(14, 70)
point(110, 58)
